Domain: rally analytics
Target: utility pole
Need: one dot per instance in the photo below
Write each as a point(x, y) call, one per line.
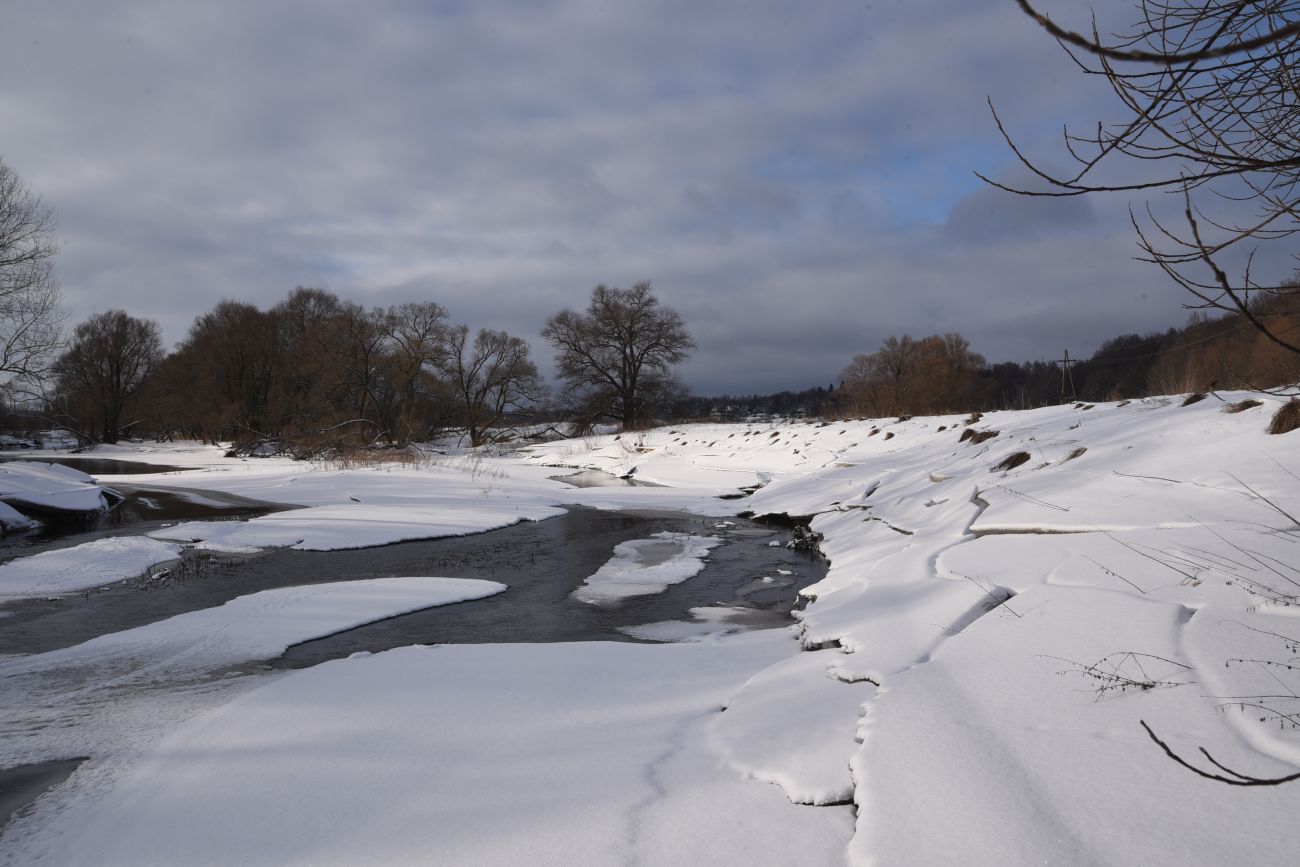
point(1066, 375)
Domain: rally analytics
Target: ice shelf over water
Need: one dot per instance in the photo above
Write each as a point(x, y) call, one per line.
point(50, 487)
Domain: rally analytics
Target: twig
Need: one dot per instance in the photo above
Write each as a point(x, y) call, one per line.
point(1240, 778)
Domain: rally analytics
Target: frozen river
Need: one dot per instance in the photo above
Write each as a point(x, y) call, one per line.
point(59, 702)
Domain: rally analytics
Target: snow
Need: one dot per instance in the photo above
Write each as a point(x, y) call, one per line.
point(997, 751)
point(710, 621)
point(49, 486)
point(1242, 657)
point(258, 626)
point(956, 675)
point(12, 519)
point(332, 528)
point(92, 564)
point(119, 693)
point(793, 724)
point(643, 566)
point(474, 754)
point(965, 591)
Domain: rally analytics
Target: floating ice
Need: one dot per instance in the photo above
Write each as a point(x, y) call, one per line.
point(643, 566)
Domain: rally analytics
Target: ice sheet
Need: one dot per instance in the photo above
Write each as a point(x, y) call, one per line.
point(49, 486)
point(644, 566)
point(91, 564)
point(480, 754)
point(333, 528)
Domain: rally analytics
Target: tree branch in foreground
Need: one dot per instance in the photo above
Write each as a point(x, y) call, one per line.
point(1237, 779)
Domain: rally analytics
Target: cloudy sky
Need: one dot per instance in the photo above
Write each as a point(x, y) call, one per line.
point(794, 176)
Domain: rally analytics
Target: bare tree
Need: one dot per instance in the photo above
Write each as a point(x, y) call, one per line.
point(108, 361)
point(897, 363)
point(353, 343)
point(617, 358)
point(231, 357)
point(301, 389)
point(30, 318)
point(860, 392)
point(490, 379)
point(1209, 90)
point(416, 334)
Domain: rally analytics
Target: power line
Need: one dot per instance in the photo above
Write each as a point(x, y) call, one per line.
point(1066, 375)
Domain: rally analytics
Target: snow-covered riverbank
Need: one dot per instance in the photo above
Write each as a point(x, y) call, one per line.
point(1009, 598)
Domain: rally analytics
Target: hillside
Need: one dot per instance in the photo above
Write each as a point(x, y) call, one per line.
point(1020, 623)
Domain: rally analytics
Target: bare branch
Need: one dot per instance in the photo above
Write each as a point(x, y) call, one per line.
point(1237, 779)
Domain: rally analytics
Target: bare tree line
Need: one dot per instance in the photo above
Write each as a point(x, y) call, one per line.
point(313, 373)
point(942, 374)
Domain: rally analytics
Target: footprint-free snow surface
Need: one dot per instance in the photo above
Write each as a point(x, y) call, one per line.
point(968, 684)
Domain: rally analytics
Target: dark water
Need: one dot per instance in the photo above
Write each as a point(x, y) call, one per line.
point(541, 562)
point(544, 563)
point(99, 466)
point(21, 785)
point(601, 479)
point(142, 510)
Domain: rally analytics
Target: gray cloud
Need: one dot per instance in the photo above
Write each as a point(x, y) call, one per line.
point(798, 185)
point(990, 214)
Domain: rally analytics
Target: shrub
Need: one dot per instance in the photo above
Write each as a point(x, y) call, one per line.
point(1011, 461)
point(977, 436)
point(1286, 419)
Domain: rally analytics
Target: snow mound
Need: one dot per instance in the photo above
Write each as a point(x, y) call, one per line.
point(334, 528)
point(92, 564)
point(794, 725)
point(260, 625)
point(12, 519)
point(51, 487)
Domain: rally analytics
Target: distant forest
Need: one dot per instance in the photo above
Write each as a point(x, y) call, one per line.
point(318, 375)
point(942, 373)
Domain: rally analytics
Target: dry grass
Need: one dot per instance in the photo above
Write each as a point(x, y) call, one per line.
point(1011, 461)
point(1076, 453)
point(977, 436)
point(369, 459)
point(1242, 405)
point(1193, 398)
point(1286, 419)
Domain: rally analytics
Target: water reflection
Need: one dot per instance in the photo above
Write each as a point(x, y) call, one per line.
point(98, 466)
